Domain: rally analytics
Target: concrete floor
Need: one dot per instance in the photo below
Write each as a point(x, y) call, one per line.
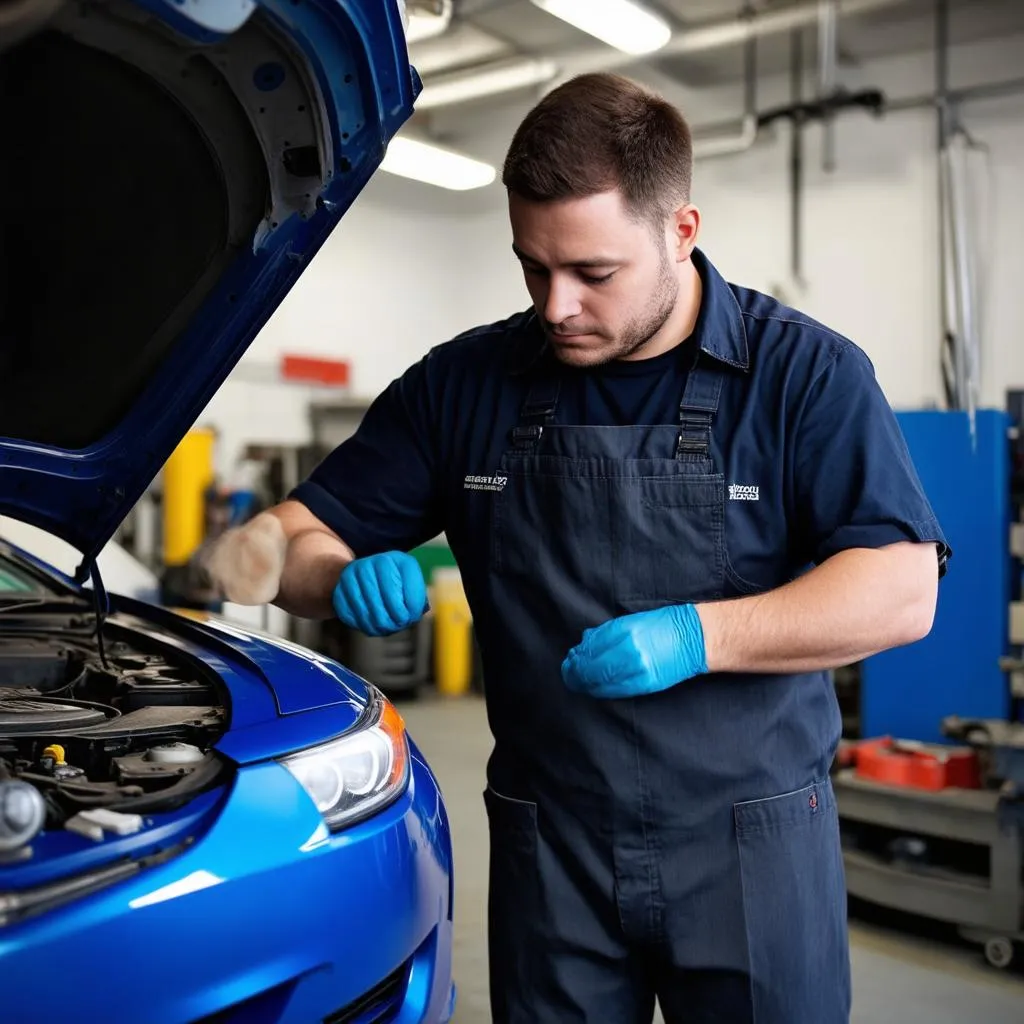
point(899, 977)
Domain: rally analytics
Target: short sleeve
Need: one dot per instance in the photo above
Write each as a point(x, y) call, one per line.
point(378, 489)
point(854, 482)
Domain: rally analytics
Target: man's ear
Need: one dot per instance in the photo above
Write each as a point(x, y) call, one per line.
point(683, 229)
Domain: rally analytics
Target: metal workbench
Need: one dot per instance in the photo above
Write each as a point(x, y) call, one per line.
point(987, 907)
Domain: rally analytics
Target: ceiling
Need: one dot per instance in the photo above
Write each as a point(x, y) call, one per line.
point(901, 28)
point(484, 31)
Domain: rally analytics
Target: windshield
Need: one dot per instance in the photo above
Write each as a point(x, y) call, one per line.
point(15, 581)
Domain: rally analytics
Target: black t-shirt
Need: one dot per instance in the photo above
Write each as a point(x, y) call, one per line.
point(619, 394)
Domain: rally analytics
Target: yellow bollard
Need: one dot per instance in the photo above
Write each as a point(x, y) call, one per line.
point(187, 475)
point(453, 641)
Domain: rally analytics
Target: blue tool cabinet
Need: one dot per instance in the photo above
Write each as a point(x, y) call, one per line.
point(955, 670)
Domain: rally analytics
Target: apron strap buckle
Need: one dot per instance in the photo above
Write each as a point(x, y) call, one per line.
point(694, 434)
point(526, 437)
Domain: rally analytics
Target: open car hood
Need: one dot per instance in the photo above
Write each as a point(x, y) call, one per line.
point(169, 170)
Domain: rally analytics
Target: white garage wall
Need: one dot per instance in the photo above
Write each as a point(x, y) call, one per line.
point(412, 265)
point(377, 293)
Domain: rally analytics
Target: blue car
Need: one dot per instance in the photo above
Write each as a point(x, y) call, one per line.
point(197, 823)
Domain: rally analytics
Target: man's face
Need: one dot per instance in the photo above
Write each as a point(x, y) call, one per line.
point(602, 282)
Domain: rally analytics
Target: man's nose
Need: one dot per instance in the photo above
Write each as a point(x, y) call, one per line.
point(563, 302)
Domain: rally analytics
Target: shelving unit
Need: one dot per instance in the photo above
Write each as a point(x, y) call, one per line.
point(987, 906)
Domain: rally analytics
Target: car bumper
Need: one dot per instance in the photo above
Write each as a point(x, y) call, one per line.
point(264, 918)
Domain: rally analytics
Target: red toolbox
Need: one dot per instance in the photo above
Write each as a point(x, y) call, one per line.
point(910, 763)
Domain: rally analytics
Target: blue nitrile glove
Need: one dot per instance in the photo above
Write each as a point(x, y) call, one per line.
point(638, 654)
point(381, 594)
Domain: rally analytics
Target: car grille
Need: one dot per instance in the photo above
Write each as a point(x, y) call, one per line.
point(378, 1006)
point(19, 905)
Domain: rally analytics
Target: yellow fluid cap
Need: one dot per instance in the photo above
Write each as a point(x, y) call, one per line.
point(56, 751)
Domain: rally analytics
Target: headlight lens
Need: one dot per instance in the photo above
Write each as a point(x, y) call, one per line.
point(355, 776)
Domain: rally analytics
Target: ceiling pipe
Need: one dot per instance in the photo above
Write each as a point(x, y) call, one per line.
point(704, 148)
point(828, 61)
point(427, 19)
point(490, 79)
point(734, 31)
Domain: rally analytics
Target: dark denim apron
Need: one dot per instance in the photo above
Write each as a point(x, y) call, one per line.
point(686, 841)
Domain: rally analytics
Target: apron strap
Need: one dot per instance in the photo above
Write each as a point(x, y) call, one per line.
point(697, 410)
point(538, 409)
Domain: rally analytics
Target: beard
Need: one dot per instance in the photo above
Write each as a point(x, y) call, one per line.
point(634, 335)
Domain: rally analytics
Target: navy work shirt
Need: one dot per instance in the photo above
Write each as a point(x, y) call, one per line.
point(813, 456)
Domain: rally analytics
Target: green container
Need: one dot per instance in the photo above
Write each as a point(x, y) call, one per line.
point(433, 556)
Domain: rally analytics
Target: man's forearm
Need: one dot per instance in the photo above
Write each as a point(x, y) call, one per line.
point(855, 604)
point(314, 563)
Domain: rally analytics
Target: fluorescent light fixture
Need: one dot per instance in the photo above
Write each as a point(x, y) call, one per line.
point(620, 23)
point(422, 161)
point(498, 77)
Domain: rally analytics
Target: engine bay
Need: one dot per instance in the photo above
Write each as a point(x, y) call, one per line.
point(114, 729)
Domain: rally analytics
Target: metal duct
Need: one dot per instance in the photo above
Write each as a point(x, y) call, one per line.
point(828, 61)
point(749, 128)
point(962, 272)
point(959, 272)
point(733, 31)
point(427, 19)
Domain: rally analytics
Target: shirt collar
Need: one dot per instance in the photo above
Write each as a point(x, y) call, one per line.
point(720, 331)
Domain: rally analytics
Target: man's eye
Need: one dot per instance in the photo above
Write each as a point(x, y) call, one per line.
point(598, 280)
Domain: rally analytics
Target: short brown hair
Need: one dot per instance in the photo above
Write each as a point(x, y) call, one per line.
point(599, 131)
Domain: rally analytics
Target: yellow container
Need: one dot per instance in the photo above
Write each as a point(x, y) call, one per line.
point(453, 639)
point(187, 475)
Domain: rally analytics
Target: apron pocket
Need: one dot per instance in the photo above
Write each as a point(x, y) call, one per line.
point(512, 908)
point(669, 541)
point(794, 901)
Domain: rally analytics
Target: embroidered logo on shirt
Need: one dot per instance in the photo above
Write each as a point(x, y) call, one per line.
point(744, 492)
point(485, 483)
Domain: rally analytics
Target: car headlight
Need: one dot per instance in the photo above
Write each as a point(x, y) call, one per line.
point(360, 773)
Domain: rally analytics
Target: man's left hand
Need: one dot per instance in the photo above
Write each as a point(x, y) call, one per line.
point(638, 654)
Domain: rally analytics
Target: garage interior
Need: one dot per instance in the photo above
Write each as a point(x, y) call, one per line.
point(861, 160)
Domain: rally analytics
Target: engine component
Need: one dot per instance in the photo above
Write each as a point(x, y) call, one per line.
point(141, 769)
point(20, 714)
point(92, 824)
point(29, 661)
point(155, 722)
point(174, 753)
point(53, 763)
point(147, 690)
point(22, 814)
point(77, 725)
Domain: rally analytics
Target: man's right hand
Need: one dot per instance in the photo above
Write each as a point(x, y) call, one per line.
point(381, 594)
point(246, 562)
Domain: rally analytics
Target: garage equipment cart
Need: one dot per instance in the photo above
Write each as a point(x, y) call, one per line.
point(954, 854)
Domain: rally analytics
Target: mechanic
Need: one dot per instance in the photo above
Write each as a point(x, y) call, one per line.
point(676, 505)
